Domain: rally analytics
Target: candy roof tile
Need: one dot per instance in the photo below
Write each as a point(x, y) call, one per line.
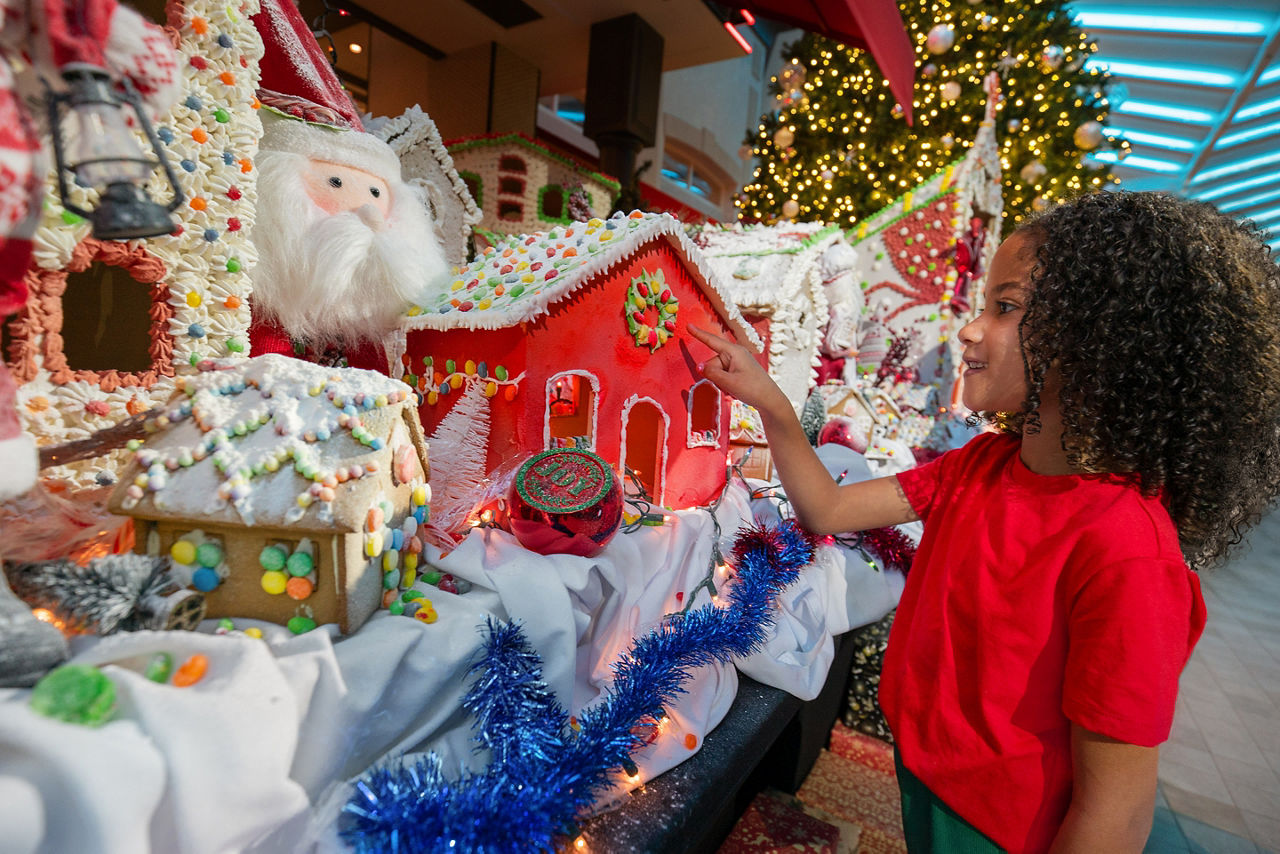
point(522, 276)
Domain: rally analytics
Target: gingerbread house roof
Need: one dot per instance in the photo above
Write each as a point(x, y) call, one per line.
point(273, 442)
point(768, 267)
point(414, 138)
point(523, 276)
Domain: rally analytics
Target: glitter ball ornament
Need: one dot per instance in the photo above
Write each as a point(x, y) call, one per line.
point(843, 431)
point(790, 208)
point(1088, 136)
point(950, 90)
point(928, 69)
point(987, 23)
point(940, 39)
point(1014, 125)
point(947, 141)
point(565, 501)
point(783, 137)
point(1051, 58)
point(1032, 172)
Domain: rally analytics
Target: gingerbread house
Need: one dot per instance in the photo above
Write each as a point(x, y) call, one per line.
point(775, 275)
point(284, 489)
point(110, 327)
point(578, 337)
point(918, 260)
point(524, 187)
point(425, 162)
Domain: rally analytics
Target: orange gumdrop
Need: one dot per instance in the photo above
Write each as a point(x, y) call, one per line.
point(232, 302)
point(200, 26)
point(199, 135)
point(690, 740)
point(191, 671)
point(299, 588)
point(228, 78)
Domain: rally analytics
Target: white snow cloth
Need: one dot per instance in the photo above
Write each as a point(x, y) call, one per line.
point(259, 755)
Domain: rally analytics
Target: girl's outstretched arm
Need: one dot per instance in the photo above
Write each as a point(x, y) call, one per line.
point(821, 505)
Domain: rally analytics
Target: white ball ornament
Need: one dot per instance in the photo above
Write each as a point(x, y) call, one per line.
point(1088, 136)
point(827, 175)
point(1014, 125)
point(950, 90)
point(1032, 172)
point(783, 137)
point(790, 208)
point(987, 23)
point(940, 39)
point(947, 141)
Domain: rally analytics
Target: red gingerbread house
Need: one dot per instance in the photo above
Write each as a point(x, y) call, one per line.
point(578, 337)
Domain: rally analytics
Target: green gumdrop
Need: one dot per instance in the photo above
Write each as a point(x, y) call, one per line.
point(432, 577)
point(396, 608)
point(235, 345)
point(233, 265)
point(75, 693)
point(500, 372)
point(272, 558)
point(160, 667)
point(209, 555)
point(300, 625)
point(221, 115)
point(300, 564)
point(71, 219)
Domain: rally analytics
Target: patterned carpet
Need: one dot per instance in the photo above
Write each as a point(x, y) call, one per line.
point(847, 805)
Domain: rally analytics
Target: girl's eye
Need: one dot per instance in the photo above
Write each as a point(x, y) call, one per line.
point(335, 181)
point(375, 192)
point(1003, 307)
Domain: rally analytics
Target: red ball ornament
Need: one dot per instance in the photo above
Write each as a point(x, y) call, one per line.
point(843, 431)
point(565, 501)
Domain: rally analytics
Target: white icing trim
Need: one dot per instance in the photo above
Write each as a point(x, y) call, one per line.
point(595, 406)
point(666, 435)
point(699, 441)
point(18, 462)
point(629, 241)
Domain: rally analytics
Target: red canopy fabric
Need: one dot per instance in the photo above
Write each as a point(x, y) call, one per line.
point(874, 25)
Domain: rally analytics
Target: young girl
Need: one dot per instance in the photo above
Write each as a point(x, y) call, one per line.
point(1128, 355)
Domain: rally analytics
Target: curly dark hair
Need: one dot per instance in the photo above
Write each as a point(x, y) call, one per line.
point(1162, 316)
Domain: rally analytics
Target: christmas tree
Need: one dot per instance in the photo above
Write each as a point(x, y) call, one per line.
point(838, 148)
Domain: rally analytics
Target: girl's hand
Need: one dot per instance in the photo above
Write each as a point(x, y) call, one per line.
point(736, 372)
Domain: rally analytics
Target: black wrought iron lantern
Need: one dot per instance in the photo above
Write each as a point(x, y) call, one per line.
point(91, 140)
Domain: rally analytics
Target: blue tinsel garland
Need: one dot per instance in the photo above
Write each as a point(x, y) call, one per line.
point(543, 773)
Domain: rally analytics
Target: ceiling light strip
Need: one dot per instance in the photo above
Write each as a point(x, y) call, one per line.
point(1135, 161)
point(1169, 24)
point(1238, 166)
point(1173, 143)
point(1246, 135)
point(1228, 189)
point(1164, 111)
point(1247, 201)
point(1168, 73)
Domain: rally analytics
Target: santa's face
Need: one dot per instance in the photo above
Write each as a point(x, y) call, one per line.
point(342, 253)
point(336, 188)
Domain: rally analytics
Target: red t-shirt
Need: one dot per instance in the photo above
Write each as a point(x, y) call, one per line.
point(1034, 601)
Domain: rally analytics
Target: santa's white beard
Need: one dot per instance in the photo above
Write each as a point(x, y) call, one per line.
point(330, 279)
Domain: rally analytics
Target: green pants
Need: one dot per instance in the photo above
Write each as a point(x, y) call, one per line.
point(932, 827)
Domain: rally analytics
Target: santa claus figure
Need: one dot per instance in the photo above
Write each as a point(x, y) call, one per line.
point(345, 246)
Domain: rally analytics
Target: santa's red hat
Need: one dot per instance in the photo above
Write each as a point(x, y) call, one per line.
point(307, 110)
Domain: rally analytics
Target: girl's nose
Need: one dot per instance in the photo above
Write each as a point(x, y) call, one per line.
point(970, 333)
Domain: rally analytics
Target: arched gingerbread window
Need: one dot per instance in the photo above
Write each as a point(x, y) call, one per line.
point(114, 329)
point(704, 415)
point(511, 163)
point(511, 186)
point(570, 419)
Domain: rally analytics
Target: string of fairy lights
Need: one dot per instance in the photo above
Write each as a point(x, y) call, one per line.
point(838, 148)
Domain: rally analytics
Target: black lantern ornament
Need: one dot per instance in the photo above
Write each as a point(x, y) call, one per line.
point(103, 154)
